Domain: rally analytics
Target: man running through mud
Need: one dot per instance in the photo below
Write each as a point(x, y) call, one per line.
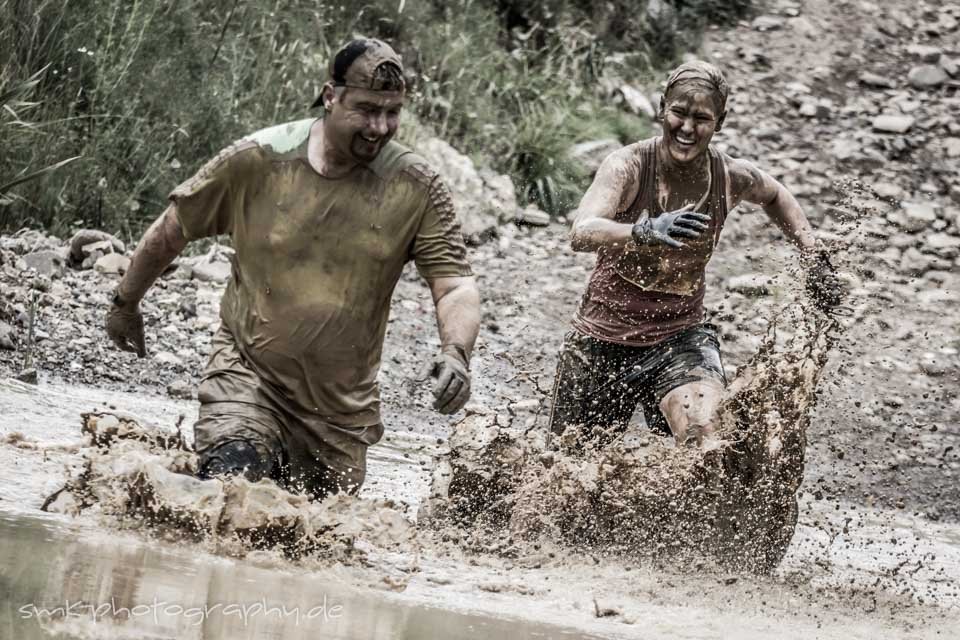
point(323, 213)
point(653, 215)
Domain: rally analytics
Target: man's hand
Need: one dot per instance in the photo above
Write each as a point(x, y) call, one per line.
point(667, 227)
point(823, 285)
point(452, 388)
point(125, 326)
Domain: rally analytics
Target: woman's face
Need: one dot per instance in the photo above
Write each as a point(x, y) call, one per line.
point(690, 119)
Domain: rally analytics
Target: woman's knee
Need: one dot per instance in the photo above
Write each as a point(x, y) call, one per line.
point(691, 409)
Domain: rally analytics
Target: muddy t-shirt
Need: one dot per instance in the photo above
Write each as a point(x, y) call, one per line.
point(317, 260)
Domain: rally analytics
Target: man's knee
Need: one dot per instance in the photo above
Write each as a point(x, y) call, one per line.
point(235, 457)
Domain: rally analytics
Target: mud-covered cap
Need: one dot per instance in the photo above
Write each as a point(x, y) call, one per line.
point(361, 64)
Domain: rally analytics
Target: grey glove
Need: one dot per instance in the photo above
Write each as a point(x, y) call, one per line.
point(823, 285)
point(452, 388)
point(125, 326)
point(667, 227)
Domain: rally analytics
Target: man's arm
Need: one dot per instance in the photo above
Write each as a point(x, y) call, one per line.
point(458, 320)
point(458, 311)
point(158, 247)
point(613, 188)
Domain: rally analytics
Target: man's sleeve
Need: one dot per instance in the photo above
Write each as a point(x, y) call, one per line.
point(438, 249)
point(207, 201)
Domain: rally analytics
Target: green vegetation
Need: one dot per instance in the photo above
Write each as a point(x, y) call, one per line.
point(143, 91)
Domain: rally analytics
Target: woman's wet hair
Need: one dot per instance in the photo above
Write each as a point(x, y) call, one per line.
point(703, 75)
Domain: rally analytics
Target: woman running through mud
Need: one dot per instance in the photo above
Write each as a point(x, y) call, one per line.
point(653, 215)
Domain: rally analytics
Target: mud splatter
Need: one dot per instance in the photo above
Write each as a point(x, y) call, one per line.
point(735, 502)
point(144, 476)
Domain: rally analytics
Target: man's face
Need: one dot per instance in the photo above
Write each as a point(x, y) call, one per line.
point(360, 122)
point(690, 119)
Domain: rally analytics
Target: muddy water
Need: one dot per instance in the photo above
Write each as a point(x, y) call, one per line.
point(62, 582)
point(850, 572)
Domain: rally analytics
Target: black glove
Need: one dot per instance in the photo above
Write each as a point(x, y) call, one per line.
point(125, 326)
point(823, 286)
point(667, 227)
point(452, 388)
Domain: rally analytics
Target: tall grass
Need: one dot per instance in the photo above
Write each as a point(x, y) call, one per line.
point(146, 90)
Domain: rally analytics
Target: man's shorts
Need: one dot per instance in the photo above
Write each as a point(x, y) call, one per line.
point(312, 456)
point(599, 384)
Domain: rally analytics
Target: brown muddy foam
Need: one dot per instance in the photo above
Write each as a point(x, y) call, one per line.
point(138, 475)
point(735, 502)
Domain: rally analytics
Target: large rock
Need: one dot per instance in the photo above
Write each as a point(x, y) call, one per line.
point(48, 262)
point(951, 66)
point(481, 204)
point(917, 216)
point(6, 336)
point(29, 241)
point(217, 271)
point(86, 237)
point(874, 80)
point(533, 216)
point(892, 123)
point(113, 264)
point(943, 244)
point(768, 23)
point(951, 147)
point(591, 154)
point(638, 102)
point(926, 76)
point(844, 148)
point(925, 52)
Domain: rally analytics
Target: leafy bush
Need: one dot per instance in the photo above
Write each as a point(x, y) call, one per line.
point(146, 90)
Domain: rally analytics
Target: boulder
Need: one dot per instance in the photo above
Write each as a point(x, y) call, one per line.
point(887, 190)
point(481, 204)
point(925, 52)
point(942, 244)
point(6, 337)
point(951, 66)
point(844, 148)
point(218, 271)
point(500, 193)
point(533, 216)
point(926, 76)
point(591, 154)
point(112, 263)
point(873, 80)
point(86, 237)
point(767, 23)
point(638, 102)
point(892, 123)
point(951, 147)
point(48, 262)
point(919, 215)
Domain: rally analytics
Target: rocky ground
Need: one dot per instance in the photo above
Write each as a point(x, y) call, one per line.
point(823, 93)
